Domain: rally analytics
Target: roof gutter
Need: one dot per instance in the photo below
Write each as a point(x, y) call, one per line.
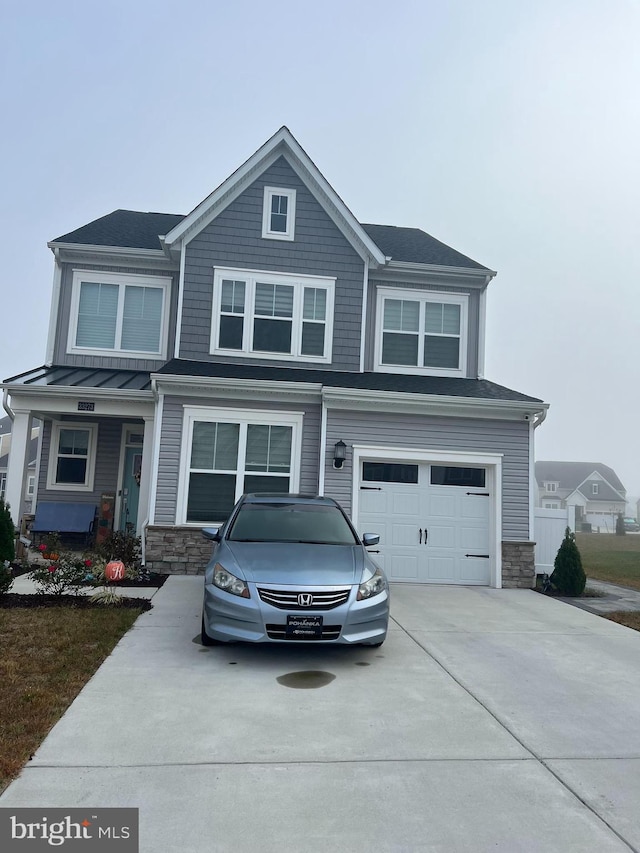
point(412, 266)
point(5, 404)
point(150, 254)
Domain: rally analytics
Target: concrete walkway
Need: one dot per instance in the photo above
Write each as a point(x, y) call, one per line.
point(491, 720)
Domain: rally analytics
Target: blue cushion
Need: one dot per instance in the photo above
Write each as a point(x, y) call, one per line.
point(63, 517)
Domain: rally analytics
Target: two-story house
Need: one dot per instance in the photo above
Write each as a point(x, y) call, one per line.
point(268, 341)
point(594, 489)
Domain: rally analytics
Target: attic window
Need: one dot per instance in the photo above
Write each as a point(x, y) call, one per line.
point(278, 214)
point(594, 488)
point(551, 487)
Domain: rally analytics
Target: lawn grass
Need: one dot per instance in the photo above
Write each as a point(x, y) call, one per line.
point(607, 557)
point(48, 655)
point(629, 618)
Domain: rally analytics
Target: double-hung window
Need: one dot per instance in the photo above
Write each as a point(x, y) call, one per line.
point(121, 315)
point(229, 452)
point(72, 456)
point(273, 315)
point(421, 332)
point(278, 214)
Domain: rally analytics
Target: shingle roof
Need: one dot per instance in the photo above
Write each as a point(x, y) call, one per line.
point(571, 474)
point(132, 229)
point(128, 229)
point(416, 246)
point(85, 377)
point(409, 384)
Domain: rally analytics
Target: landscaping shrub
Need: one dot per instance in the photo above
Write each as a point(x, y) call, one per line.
point(621, 530)
point(63, 573)
point(6, 577)
point(7, 534)
point(119, 545)
point(568, 576)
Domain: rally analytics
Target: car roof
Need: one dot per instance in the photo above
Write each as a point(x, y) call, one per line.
point(278, 497)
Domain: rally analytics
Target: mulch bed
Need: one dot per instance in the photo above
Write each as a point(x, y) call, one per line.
point(81, 602)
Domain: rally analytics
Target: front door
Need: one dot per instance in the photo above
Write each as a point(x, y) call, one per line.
point(130, 490)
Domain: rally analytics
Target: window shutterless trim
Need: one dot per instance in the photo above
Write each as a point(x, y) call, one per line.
point(54, 453)
point(251, 278)
point(289, 232)
point(242, 417)
point(122, 281)
point(423, 297)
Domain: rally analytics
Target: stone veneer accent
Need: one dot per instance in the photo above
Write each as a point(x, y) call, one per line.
point(177, 550)
point(185, 551)
point(518, 565)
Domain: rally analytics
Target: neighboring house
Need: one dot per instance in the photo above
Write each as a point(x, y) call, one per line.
point(268, 341)
point(593, 488)
point(32, 453)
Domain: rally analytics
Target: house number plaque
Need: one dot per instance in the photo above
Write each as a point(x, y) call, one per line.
point(86, 406)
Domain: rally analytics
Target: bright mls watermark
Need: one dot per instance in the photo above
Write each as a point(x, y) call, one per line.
point(89, 829)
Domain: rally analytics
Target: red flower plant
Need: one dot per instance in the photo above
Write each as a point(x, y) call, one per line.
point(42, 548)
point(52, 568)
point(88, 563)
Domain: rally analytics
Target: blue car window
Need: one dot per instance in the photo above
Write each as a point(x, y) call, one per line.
point(323, 525)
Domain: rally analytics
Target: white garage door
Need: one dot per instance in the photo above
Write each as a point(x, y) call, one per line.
point(433, 521)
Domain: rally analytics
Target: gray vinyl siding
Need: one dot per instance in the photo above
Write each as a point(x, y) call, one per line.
point(171, 442)
point(107, 462)
point(61, 356)
point(234, 239)
point(473, 320)
point(511, 438)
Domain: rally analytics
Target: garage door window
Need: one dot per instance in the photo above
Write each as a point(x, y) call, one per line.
point(442, 475)
point(389, 472)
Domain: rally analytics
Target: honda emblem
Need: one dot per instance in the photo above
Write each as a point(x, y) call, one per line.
point(305, 599)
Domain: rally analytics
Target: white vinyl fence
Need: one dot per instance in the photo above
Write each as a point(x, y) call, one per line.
point(549, 528)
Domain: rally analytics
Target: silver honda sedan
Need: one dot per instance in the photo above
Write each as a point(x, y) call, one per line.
point(291, 568)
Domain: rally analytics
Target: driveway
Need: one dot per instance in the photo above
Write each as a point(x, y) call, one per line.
point(493, 720)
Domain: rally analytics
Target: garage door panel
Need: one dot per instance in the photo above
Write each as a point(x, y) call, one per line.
point(404, 534)
point(441, 536)
point(441, 569)
point(474, 570)
point(474, 538)
point(373, 501)
point(442, 506)
point(405, 504)
point(402, 568)
point(475, 507)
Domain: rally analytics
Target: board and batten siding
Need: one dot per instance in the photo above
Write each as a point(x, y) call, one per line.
point(234, 239)
point(171, 441)
point(511, 438)
point(107, 461)
point(432, 284)
point(61, 356)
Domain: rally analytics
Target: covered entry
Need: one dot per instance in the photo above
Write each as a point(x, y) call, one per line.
point(435, 518)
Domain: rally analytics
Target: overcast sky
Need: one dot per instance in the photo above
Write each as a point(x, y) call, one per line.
point(508, 130)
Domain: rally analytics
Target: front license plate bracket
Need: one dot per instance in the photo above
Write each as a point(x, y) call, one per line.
point(300, 627)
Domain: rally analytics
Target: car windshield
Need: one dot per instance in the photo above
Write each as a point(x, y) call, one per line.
point(319, 524)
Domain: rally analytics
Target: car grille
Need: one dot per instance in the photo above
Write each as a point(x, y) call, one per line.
point(285, 599)
point(279, 632)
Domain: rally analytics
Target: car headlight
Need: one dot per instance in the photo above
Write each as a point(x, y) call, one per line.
point(374, 586)
point(228, 582)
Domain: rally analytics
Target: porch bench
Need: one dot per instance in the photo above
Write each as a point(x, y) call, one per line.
point(67, 519)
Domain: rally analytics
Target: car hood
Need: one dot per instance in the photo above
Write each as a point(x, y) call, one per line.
point(297, 563)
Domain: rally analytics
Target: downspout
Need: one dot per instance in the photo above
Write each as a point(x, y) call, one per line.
point(323, 447)
point(536, 419)
point(6, 406)
point(145, 523)
point(176, 348)
point(55, 304)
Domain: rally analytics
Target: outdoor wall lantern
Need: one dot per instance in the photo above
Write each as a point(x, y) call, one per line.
point(339, 454)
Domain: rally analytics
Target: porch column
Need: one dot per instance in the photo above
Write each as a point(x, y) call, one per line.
point(17, 468)
point(145, 474)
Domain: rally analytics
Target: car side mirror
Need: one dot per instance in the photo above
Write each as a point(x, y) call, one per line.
point(212, 533)
point(369, 539)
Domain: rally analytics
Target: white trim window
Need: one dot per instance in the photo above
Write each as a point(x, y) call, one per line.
point(595, 488)
point(3, 485)
point(273, 315)
point(119, 315)
point(72, 456)
point(228, 452)
point(278, 214)
point(551, 487)
point(421, 332)
point(31, 485)
point(551, 505)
